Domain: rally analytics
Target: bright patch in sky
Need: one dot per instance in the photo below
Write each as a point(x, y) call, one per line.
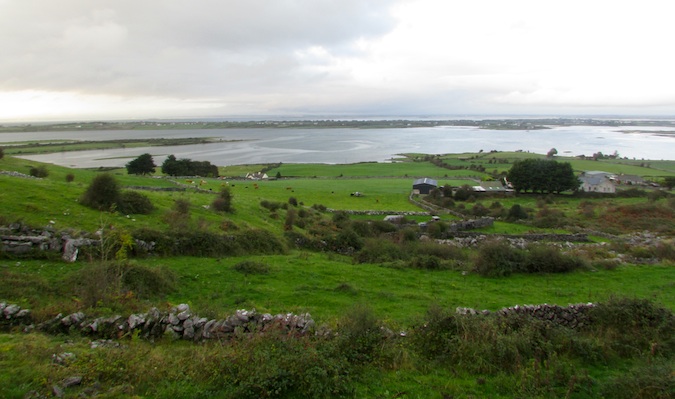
point(84, 59)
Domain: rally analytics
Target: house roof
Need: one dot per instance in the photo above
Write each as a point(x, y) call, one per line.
point(492, 186)
point(594, 179)
point(425, 180)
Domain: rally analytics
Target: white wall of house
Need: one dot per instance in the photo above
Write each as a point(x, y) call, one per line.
point(603, 187)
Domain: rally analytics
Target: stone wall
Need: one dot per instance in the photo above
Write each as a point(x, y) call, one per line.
point(178, 323)
point(19, 240)
point(468, 239)
point(572, 316)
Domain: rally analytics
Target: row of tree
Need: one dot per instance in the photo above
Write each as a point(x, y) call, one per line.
point(542, 175)
point(144, 165)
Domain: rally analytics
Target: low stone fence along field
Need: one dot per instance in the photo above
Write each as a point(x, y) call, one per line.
point(179, 323)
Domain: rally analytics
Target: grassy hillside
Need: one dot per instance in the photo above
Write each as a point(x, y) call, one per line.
point(357, 276)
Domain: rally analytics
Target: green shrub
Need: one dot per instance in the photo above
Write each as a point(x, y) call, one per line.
point(39, 171)
point(479, 210)
point(274, 365)
point(223, 203)
point(301, 241)
point(427, 262)
point(549, 218)
point(181, 206)
point(133, 202)
point(665, 251)
point(102, 194)
point(631, 193)
point(70, 177)
point(516, 212)
point(549, 259)
point(497, 259)
point(380, 227)
point(319, 207)
point(380, 250)
point(441, 251)
point(258, 241)
point(291, 215)
point(362, 228)
point(649, 381)
point(632, 327)
point(273, 206)
point(251, 267)
point(149, 282)
point(110, 284)
point(359, 335)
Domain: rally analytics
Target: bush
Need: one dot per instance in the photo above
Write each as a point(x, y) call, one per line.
point(441, 251)
point(498, 259)
point(133, 202)
point(517, 212)
point(479, 210)
point(274, 365)
point(347, 241)
point(549, 218)
point(362, 228)
point(426, 262)
point(271, 205)
point(39, 171)
point(652, 380)
point(380, 226)
point(380, 250)
point(110, 284)
point(102, 194)
point(548, 259)
point(292, 201)
point(632, 326)
point(300, 241)
point(257, 241)
point(181, 206)
point(224, 201)
point(70, 177)
point(359, 335)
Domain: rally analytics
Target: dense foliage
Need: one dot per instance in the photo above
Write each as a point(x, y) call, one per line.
point(541, 175)
point(102, 194)
point(142, 165)
point(186, 167)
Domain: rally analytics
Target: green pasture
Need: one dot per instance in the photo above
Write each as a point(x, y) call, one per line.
point(327, 286)
point(502, 161)
point(370, 169)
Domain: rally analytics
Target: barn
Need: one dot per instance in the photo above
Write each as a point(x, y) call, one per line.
point(424, 185)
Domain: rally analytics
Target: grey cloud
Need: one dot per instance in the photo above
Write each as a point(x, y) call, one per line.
point(173, 48)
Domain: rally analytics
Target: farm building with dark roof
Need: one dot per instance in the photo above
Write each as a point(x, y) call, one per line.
point(423, 186)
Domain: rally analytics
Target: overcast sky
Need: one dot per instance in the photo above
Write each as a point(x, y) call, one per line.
point(130, 59)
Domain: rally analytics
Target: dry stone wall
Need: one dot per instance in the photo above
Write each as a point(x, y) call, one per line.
point(572, 316)
point(18, 240)
point(178, 323)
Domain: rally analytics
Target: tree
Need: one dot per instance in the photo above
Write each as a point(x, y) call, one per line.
point(102, 194)
point(224, 201)
point(540, 175)
point(669, 182)
point(2, 152)
point(185, 167)
point(142, 165)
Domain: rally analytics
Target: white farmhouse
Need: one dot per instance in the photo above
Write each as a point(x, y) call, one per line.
point(597, 182)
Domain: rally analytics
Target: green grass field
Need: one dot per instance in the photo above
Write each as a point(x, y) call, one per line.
point(330, 286)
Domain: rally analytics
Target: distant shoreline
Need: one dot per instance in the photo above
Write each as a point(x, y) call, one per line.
point(491, 124)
